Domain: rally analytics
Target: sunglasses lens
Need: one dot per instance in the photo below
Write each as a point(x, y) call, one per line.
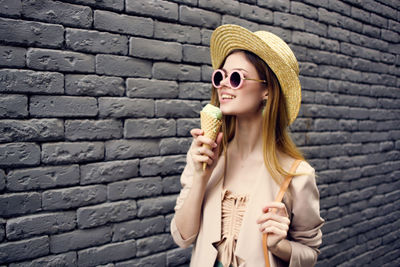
point(217, 78)
point(235, 79)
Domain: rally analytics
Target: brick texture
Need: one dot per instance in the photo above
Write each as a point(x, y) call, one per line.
point(97, 99)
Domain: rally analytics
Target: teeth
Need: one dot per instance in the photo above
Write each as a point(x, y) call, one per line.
point(224, 96)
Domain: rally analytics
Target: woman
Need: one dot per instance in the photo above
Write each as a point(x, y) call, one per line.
point(225, 209)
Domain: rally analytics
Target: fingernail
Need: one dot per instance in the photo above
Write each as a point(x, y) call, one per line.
point(215, 145)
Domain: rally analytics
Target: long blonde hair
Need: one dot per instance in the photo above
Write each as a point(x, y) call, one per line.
point(275, 133)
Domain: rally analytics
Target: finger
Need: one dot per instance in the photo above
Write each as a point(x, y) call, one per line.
point(201, 158)
point(207, 141)
point(278, 225)
point(275, 207)
point(196, 132)
point(274, 230)
point(273, 217)
point(206, 152)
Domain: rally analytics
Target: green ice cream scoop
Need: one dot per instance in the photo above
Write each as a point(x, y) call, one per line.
point(213, 111)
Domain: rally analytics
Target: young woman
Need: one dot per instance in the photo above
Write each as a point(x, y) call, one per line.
point(227, 208)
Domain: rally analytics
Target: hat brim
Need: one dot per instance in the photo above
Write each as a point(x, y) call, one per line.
point(227, 38)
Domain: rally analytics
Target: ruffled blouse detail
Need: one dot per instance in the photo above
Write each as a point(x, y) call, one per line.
point(233, 210)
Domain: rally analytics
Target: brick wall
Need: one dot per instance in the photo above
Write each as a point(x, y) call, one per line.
point(97, 99)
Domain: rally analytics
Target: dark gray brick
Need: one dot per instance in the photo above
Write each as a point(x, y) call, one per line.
point(2, 183)
point(196, 54)
point(73, 197)
point(31, 130)
point(306, 39)
point(228, 19)
point(26, 81)
point(178, 256)
point(177, 108)
point(159, 9)
point(231, 7)
point(24, 250)
point(46, 59)
point(94, 85)
point(80, 239)
point(109, 171)
point(108, 253)
point(278, 5)
point(176, 32)
point(31, 33)
point(13, 106)
point(11, 7)
point(330, 45)
point(113, 4)
point(170, 146)
point(128, 149)
point(11, 56)
point(123, 66)
point(171, 184)
point(68, 260)
point(19, 204)
point(316, 27)
point(153, 244)
point(256, 13)
point(155, 206)
point(206, 36)
point(199, 17)
point(154, 49)
point(180, 72)
point(104, 213)
point(151, 88)
point(124, 107)
point(45, 223)
point(206, 72)
point(114, 22)
point(185, 125)
point(137, 128)
point(166, 165)
point(288, 21)
point(96, 42)
point(394, 25)
point(19, 154)
point(330, 18)
point(360, 14)
point(304, 10)
point(92, 129)
point(153, 260)
point(58, 12)
point(42, 178)
point(138, 228)
point(72, 152)
point(63, 106)
point(135, 188)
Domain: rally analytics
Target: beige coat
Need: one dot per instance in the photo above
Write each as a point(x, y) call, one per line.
point(302, 203)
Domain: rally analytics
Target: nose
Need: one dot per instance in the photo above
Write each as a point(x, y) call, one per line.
point(225, 82)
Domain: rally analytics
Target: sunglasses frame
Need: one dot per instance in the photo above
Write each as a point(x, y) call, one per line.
point(241, 75)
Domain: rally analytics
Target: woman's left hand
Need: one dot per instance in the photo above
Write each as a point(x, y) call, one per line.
point(275, 222)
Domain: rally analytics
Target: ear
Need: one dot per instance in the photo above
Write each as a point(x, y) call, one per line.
point(265, 94)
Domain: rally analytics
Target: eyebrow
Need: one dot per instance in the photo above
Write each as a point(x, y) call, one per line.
point(235, 69)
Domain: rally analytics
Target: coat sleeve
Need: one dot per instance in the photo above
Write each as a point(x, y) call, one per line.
point(186, 182)
point(304, 233)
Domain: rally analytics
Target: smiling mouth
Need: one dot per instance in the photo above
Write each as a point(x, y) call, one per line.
point(225, 96)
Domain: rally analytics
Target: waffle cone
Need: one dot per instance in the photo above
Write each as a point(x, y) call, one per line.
point(210, 126)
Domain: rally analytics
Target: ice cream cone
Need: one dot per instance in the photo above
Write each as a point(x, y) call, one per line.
point(211, 126)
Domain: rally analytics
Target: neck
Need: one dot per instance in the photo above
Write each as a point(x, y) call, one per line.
point(248, 136)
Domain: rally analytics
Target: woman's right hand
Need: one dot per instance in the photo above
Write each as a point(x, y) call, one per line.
point(202, 154)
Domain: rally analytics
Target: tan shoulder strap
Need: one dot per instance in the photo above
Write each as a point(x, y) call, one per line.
point(279, 198)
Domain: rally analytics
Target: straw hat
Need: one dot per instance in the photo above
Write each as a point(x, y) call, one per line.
point(269, 47)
